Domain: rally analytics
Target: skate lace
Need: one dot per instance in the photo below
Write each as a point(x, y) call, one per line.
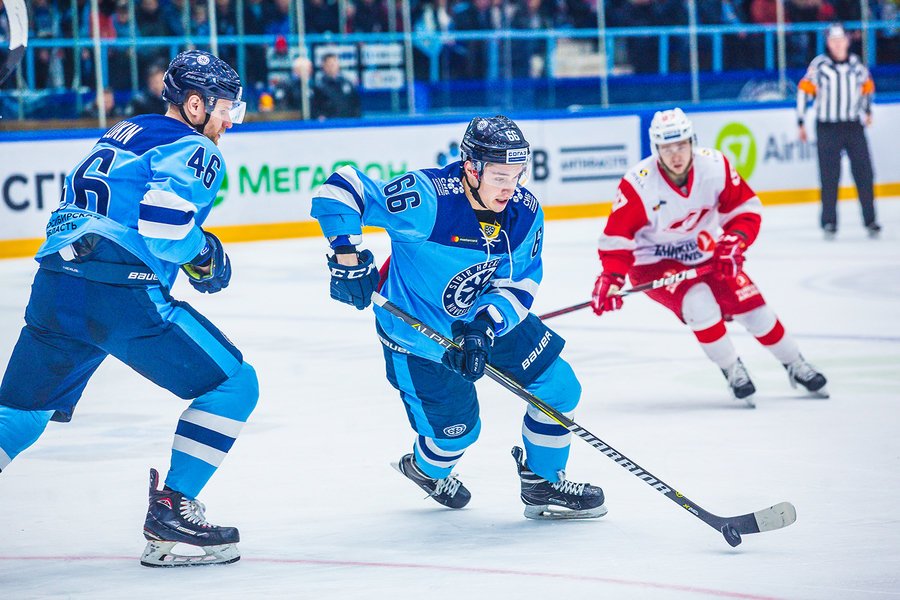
point(194, 512)
point(449, 485)
point(801, 370)
point(568, 487)
point(737, 375)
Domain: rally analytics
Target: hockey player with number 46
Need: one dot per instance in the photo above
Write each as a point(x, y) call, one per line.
point(466, 258)
point(130, 216)
point(686, 207)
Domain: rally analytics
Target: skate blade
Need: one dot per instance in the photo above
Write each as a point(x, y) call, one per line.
point(161, 554)
point(549, 512)
point(822, 393)
point(747, 400)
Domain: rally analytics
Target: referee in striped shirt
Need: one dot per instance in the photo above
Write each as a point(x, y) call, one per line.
point(842, 89)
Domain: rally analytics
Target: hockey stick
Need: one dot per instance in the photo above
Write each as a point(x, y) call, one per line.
point(17, 16)
point(767, 519)
point(668, 280)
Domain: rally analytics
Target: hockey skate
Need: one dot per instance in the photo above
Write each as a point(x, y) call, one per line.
point(873, 230)
point(829, 230)
point(561, 500)
point(801, 372)
point(173, 519)
point(739, 383)
point(448, 491)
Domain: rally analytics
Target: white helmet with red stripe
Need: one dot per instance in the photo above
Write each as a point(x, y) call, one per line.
point(669, 126)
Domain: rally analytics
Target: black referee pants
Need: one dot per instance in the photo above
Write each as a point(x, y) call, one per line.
point(851, 137)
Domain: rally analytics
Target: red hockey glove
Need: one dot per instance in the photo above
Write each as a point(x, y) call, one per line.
point(603, 299)
point(729, 255)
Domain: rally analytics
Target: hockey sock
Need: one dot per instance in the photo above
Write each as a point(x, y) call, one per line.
point(767, 329)
point(207, 430)
point(436, 457)
point(546, 441)
point(717, 345)
point(18, 430)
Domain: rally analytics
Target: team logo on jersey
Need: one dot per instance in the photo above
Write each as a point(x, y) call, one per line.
point(491, 230)
point(455, 430)
point(619, 202)
point(465, 287)
point(689, 222)
point(705, 242)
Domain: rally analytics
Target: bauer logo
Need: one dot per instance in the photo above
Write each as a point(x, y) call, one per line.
point(466, 286)
point(737, 143)
point(455, 430)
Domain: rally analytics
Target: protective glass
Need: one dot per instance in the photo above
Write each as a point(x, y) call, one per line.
point(231, 114)
point(673, 148)
point(492, 175)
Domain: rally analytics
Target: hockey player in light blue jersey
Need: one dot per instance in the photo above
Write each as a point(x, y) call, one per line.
point(465, 258)
point(130, 216)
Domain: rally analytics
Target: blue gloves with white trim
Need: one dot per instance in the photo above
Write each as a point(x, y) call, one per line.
point(354, 285)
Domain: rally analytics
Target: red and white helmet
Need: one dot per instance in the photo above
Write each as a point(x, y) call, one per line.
point(669, 126)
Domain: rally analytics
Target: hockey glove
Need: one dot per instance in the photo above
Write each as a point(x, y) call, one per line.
point(354, 285)
point(604, 298)
point(475, 340)
point(210, 271)
point(729, 256)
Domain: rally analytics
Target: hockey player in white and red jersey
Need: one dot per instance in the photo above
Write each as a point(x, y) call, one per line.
point(686, 207)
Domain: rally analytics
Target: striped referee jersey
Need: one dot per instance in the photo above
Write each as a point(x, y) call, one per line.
point(841, 90)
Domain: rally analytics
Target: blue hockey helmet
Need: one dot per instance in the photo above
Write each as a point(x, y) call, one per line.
point(494, 140)
point(206, 74)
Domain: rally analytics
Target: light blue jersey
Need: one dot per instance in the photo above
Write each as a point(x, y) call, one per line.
point(444, 264)
point(147, 185)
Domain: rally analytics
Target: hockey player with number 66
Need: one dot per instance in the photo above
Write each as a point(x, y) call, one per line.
point(687, 207)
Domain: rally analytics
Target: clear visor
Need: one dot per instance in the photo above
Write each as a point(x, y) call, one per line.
point(504, 176)
point(673, 148)
point(231, 114)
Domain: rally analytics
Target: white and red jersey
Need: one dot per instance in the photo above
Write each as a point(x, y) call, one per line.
point(653, 219)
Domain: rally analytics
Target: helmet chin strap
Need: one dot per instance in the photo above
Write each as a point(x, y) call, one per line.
point(474, 190)
point(198, 128)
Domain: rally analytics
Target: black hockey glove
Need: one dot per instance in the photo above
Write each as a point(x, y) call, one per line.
point(212, 256)
point(475, 340)
point(354, 285)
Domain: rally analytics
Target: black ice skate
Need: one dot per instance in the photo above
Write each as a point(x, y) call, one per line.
point(560, 500)
point(873, 230)
point(830, 231)
point(448, 491)
point(739, 383)
point(801, 372)
point(173, 519)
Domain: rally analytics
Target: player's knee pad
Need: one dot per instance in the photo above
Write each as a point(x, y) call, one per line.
point(235, 397)
point(758, 321)
point(699, 307)
point(558, 386)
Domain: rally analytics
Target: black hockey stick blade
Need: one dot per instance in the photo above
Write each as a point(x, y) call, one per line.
point(768, 519)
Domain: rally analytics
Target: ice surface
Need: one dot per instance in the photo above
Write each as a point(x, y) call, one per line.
point(322, 514)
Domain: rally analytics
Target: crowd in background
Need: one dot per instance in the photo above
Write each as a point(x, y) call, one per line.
point(56, 68)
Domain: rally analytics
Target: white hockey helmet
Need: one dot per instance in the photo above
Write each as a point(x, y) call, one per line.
point(669, 126)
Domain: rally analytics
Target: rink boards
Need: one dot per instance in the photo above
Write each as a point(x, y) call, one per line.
point(273, 169)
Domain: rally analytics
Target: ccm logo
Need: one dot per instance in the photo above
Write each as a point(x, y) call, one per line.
point(676, 278)
point(532, 356)
point(140, 276)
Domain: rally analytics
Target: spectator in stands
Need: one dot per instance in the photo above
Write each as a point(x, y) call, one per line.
point(321, 16)
point(802, 45)
point(150, 100)
point(113, 110)
point(368, 16)
point(280, 19)
point(226, 24)
point(45, 25)
point(643, 52)
point(470, 58)
point(334, 96)
point(430, 16)
point(256, 15)
point(151, 23)
point(174, 16)
point(289, 94)
point(200, 19)
point(529, 56)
